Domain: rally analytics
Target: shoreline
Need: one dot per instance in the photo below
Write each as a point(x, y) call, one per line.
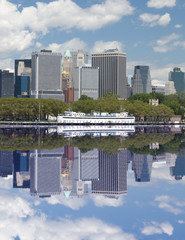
point(12, 124)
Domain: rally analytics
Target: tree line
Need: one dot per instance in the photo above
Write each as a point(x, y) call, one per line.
point(27, 109)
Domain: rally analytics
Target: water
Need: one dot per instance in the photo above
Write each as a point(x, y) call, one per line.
point(92, 184)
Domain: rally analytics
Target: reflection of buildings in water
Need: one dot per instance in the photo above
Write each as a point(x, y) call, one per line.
point(67, 166)
point(112, 174)
point(142, 167)
point(85, 170)
point(89, 165)
point(178, 171)
point(6, 160)
point(168, 158)
point(21, 174)
point(45, 171)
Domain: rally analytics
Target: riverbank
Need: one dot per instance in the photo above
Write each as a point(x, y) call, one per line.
point(19, 124)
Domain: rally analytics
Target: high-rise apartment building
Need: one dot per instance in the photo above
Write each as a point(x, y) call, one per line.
point(141, 81)
point(6, 84)
point(112, 72)
point(85, 82)
point(178, 77)
point(46, 75)
point(22, 77)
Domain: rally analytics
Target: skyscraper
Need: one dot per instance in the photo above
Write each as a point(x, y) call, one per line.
point(6, 84)
point(112, 72)
point(142, 167)
point(141, 81)
point(112, 174)
point(178, 77)
point(80, 58)
point(67, 77)
point(6, 163)
point(22, 77)
point(21, 174)
point(85, 82)
point(45, 172)
point(46, 75)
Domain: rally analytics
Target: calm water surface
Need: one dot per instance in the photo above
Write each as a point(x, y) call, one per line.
point(113, 184)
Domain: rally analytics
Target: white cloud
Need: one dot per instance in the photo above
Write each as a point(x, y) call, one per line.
point(18, 219)
point(170, 204)
point(155, 19)
point(74, 203)
point(14, 206)
point(73, 44)
point(161, 3)
point(6, 182)
point(21, 28)
point(181, 221)
point(178, 26)
point(100, 46)
point(67, 15)
point(166, 43)
point(7, 64)
point(158, 228)
point(101, 201)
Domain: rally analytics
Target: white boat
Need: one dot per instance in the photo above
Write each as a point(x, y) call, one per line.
point(70, 117)
point(95, 130)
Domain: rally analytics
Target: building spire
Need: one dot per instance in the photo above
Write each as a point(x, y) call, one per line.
point(67, 54)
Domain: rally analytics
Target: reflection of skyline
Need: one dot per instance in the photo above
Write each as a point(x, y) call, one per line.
point(76, 173)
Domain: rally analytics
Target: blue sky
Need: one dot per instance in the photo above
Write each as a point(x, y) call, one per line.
point(150, 32)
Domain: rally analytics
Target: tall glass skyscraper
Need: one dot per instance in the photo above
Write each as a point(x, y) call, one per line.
point(178, 77)
point(141, 81)
point(112, 72)
point(6, 84)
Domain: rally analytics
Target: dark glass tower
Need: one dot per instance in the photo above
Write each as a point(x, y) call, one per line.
point(6, 84)
point(141, 81)
point(112, 72)
point(178, 77)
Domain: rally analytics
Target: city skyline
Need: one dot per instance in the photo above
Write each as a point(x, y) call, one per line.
point(150, 33)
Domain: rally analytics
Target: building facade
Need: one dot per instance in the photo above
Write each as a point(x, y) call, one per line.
point(46, 75)
point(85, 81)
point(80, 58)
point(169, 88)
point(112, 72)
point(112, 175)
point(22, 77)
point(141, 81)
point(178, 77)
point(6, 84)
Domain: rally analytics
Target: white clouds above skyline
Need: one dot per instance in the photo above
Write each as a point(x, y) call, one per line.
point(19, 29)
point(161, 3)
point(73, 44)
point(100, 46)
point(157, 228)
point(167, 43)
point(152, 20)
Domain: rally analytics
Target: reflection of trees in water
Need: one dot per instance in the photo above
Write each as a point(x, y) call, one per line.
point(28, 139)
